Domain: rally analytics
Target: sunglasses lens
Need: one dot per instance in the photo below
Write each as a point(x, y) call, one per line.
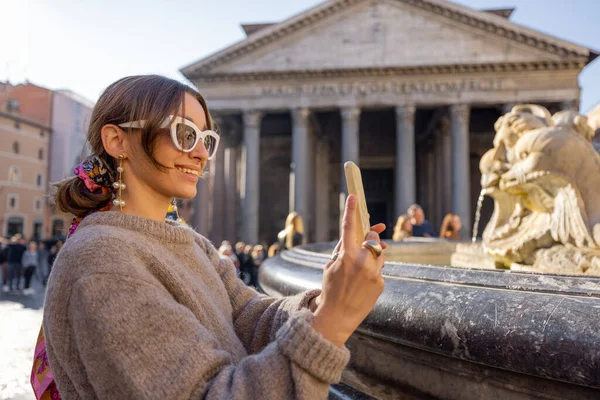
point(186, 136)
point(210, 143)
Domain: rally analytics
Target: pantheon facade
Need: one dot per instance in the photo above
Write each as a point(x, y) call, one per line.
point(407, 89)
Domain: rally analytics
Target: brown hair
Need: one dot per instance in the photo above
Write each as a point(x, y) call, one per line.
point(144, 97)
point(399, 232)
point(293, 225)
point(447, 230)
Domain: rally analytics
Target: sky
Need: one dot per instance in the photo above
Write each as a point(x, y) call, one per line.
point(85, 45)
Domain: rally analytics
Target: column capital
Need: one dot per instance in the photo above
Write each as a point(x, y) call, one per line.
point(252, 118)
point(406, 112)
point(460, 112)
point(300, 114)
point(350, 114)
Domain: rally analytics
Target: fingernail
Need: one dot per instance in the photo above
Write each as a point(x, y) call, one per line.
point(351, 200)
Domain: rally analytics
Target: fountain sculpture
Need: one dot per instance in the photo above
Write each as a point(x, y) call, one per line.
point(544, 176)
point(514, 316)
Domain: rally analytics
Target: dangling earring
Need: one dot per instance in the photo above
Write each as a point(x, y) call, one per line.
point(174, 207)
point(119, 186)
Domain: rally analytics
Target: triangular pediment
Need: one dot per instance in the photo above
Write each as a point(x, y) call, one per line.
point(386, 34)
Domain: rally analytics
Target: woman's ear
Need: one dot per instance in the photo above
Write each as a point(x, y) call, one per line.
point(113, 139)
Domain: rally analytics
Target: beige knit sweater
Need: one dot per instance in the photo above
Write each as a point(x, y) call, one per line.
point(141, 309)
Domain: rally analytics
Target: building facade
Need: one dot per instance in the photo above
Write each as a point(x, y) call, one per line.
point(408, 89)
point(43, 134)
point(23, 176)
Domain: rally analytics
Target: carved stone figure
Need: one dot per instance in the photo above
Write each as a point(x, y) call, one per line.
point(544, 176)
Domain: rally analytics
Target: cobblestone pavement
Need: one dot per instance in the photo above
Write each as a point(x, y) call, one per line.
point(20, 318)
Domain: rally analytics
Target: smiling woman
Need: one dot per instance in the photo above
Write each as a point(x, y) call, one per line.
point(142, 308)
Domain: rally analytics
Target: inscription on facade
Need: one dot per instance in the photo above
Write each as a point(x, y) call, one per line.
point(366, 88)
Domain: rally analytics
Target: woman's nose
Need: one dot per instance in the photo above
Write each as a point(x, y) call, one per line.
point(200, 151)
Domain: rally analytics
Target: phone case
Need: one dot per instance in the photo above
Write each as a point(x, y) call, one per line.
point(355, 187)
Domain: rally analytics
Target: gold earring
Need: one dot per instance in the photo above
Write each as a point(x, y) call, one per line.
point(174, 208)
point(119, 186)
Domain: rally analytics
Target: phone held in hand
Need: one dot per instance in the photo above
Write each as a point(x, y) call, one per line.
point(355, 187)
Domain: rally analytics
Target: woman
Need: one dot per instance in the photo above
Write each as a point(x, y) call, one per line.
point(140, 308)
point(402, 229)
point(451, 226)
point(29, 261)
point(293, 233)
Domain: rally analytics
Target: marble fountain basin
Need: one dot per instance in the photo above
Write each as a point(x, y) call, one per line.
point(444, 332)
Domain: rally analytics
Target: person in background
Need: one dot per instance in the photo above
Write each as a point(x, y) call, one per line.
point(420, 226)
point(16, 248)
point(249, 269)
point(451, 226)
point(273, 250)
point(29, 261)
point(4, 264)
point(293, 233)
point(241, 255)
point(403, 228)
point(226, 251)
point(52, 256)
point(42, 270)
point(258, 256)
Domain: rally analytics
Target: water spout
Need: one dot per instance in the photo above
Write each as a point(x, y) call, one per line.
point(478, 215)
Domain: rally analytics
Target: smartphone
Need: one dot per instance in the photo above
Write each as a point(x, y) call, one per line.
point(355, 187)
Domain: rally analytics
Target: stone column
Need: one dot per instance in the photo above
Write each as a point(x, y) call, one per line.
point(217, 168)
point(350, 148)
point(201, 204)
point(303, 185)
point(446, 172)
point(350, 139)
point(405, 186)
point(250, 190)
point(322, 191)
point(230, 158)
point(461, 175)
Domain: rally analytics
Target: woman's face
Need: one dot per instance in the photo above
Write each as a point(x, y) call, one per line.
point(182, 171)
point(407, 226)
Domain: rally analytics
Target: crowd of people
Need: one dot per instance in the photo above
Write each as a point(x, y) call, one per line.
point(414, 224)
point(247, 258)
point(22, 261)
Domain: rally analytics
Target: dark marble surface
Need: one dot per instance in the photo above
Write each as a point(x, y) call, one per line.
point(543, 326)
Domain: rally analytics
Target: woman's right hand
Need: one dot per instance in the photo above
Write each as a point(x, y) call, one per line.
point(351, 284)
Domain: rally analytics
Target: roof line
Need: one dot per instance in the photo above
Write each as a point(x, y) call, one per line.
point(479, 19)
point(24, 120)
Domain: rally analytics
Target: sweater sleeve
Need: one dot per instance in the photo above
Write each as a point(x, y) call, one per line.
point(137, 342)
point(256, 317)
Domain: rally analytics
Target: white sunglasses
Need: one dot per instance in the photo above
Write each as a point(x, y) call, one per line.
point(184, 134)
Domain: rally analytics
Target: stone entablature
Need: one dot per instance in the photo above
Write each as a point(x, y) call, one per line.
point(377, 91)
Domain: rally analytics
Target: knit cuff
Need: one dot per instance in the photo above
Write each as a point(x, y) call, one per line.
point(306, 298)
point(298, 340)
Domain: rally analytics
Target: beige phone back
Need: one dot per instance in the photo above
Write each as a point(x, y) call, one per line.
point(355, 187)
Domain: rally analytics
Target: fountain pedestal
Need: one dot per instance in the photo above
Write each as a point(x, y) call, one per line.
point(441, 332)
